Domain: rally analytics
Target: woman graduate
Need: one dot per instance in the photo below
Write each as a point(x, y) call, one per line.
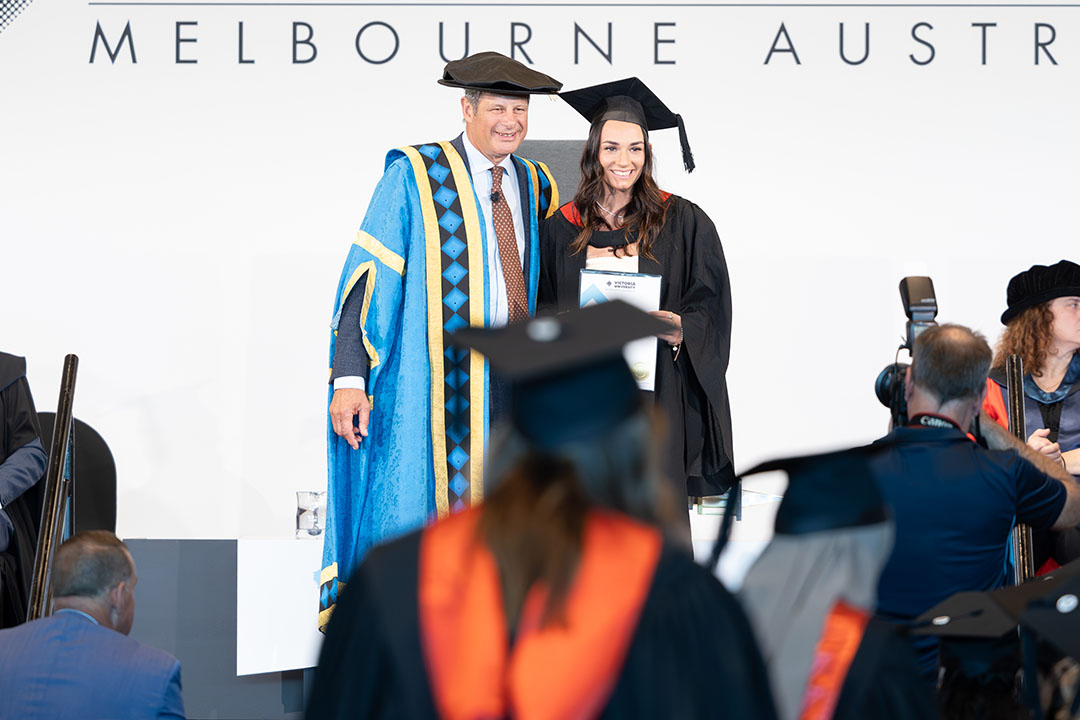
point(560, 597)
point(620, 221)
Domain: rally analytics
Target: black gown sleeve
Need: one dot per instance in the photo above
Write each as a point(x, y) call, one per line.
point(371, 664)
point(693, 654)
point(22, 462)
point(707, 298)
point(17, 406)
point(354, 676)
point(19, 438)
point(706, 319)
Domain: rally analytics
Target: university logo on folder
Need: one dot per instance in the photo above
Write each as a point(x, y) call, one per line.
point(637, 289)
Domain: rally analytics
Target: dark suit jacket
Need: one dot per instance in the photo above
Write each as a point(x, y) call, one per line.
point(67, 666)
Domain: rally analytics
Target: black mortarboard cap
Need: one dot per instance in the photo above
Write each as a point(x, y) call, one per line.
point(1040, 283)
point(629, 100)
point(978, 629)
point(495, 73)
point(967, 614)
point(827, 492)
point(1055, 614)
point(568, 377)
point(994, 613)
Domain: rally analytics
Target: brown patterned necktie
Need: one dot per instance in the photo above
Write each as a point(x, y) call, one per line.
point(508, 249)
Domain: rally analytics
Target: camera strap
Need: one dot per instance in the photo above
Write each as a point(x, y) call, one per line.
point(931, 420)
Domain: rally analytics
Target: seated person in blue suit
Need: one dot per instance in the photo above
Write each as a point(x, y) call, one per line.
point(79, 662)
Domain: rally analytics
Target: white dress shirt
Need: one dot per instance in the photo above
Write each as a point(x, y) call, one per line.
point(480, 168)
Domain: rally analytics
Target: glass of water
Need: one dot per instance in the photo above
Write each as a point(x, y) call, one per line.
point(310, 513)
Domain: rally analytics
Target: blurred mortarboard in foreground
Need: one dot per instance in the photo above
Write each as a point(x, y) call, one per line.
point(569, 379)
point(629, 100)
point(495, 73)
point(994, 613)
point(978, 630)
point(827, 492)
point(1055, 615)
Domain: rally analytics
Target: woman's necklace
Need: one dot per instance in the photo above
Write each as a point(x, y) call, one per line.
point(614, 216)
point(615, 223)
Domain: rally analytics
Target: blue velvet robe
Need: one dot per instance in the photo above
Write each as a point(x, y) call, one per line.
point(422, 252)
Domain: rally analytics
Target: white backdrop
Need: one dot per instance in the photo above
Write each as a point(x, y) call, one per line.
point(181, 226)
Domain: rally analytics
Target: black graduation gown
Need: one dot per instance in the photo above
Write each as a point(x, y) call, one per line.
point(691, 390)
point(20, 426)
point(883, 681)
point(682, 662)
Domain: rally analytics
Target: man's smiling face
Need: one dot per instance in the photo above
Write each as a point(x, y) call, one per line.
point(497, 125)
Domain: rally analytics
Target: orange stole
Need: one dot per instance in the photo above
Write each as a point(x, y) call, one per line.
point(994, 404)
point(555, 672)
point(840, 638)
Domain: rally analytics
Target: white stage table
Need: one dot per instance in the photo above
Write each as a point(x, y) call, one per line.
point(277, 583)
point(277, 604)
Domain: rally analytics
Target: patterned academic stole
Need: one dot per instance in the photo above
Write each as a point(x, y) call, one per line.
point(545, 191)
point(841, 635)
point(455, 299)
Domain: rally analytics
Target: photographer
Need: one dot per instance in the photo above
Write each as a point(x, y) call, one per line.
point(954, 503)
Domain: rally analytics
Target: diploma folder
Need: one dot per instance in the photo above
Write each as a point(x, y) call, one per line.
point(637, 289)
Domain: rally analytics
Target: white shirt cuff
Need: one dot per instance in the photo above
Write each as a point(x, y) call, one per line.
point(351, 382)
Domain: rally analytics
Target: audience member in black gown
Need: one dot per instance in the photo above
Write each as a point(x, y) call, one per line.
point(988, 670)
point(560, 596)
point(22, 466)
point(812, 593)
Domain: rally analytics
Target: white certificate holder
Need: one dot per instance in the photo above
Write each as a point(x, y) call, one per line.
point(637, 289)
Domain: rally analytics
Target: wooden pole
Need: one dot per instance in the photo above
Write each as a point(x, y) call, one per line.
point(56, 490)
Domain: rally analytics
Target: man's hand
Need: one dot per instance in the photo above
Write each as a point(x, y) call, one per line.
point(347, 404)
point(1039, 442)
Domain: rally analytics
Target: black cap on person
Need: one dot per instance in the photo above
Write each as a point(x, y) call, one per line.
point(1040, 283)
point(993, 613)
point(629, 100)
point(498, 74)
point(978, 629)
point(568, 377)
point(1055, 614)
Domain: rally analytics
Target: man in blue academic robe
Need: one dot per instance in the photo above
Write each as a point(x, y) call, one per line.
point(450, 240)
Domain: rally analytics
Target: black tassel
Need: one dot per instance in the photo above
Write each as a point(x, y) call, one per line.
point(687, 156)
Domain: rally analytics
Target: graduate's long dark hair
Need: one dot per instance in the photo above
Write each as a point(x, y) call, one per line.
point(644, 214)
point(534, 520)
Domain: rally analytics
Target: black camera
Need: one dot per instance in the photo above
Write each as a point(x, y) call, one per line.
point(920, 305)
